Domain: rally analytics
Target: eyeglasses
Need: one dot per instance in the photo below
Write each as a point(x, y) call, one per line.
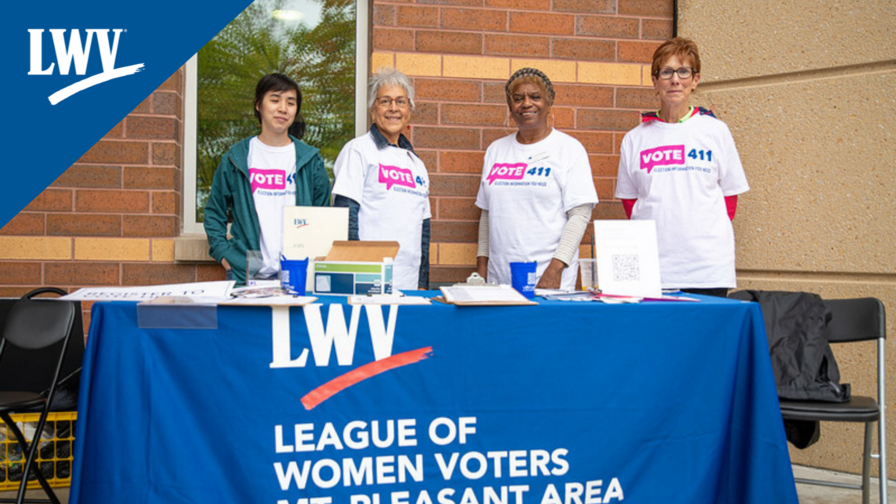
point(386, 102)
point(683, 73)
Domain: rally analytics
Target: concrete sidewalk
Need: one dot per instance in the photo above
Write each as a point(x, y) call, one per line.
point(808, 494)
point(816, 494)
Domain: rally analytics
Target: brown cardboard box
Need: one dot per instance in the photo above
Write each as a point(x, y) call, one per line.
point(355, 267)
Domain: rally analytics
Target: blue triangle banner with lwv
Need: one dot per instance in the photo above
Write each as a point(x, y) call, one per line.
point(75, 69)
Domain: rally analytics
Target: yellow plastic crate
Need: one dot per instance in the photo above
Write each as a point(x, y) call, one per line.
point(54, 455)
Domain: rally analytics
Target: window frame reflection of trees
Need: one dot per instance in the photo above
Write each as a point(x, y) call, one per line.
point(321, 58)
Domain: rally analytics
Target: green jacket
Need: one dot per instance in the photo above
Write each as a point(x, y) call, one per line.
point(231, 197)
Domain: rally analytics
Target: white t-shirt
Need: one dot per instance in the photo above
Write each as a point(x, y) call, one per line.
point(272, 173)
point(527, 190)
point(392, 187)
point(680, 173)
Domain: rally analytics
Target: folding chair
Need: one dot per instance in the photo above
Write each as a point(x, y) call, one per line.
point(854, 320)
point(32, 325)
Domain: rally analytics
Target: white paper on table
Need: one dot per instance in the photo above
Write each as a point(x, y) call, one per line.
point(627, 257)
point(271, 301)
point(552, 292)
point(389, 300)
point(200, 291)
point(310, 232)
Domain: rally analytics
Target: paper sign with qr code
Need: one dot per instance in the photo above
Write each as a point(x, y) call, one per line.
point(627, 258)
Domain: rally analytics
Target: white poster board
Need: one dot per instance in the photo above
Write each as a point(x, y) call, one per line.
point(198, 291)
point(627, 257)
point(310, 232)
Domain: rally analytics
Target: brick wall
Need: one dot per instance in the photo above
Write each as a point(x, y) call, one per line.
point(111, 218)
point(461, 52)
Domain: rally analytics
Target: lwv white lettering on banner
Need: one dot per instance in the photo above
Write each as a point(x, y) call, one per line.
point(334, 336)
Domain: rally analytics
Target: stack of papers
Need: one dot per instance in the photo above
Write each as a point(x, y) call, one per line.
point(278, 300)
point(613, 298)
point(387, 299)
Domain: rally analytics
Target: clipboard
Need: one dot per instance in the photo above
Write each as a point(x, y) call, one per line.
point(483, 295)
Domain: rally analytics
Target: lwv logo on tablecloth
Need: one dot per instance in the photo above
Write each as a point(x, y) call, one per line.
point(78, 54)
point(336, 335)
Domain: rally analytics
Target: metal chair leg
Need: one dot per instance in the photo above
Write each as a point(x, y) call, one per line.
point(882, 421)
point(866, 465)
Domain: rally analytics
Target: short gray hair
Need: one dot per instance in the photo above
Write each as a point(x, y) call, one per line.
point(389, 77)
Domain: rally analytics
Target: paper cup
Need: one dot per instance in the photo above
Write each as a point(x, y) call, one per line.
point(522, 277)
point(293, 274)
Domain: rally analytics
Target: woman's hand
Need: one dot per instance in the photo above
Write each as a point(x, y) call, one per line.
point(552, 275)
point(225, 264)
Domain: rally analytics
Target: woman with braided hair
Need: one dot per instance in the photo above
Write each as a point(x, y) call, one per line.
point(536, 192)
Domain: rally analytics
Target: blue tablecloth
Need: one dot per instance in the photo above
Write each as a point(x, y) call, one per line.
point(563, 402)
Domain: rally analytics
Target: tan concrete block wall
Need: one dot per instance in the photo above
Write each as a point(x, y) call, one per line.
point(807, 89)
point(821, 177)
point(764, 38)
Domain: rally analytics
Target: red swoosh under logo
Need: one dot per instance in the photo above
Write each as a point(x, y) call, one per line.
point(357, 375)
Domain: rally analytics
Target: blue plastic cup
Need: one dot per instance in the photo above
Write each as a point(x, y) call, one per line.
point(522, 277)
point(293, 274)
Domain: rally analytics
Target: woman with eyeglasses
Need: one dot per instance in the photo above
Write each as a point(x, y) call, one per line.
point(384, 184)
point(680, 168)
point(536, 192)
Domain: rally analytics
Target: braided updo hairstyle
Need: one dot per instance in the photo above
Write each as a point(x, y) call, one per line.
point(530, 76)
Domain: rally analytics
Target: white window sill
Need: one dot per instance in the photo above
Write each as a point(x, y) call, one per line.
point(191, 248)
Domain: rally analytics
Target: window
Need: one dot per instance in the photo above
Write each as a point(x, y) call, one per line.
point(322, 44)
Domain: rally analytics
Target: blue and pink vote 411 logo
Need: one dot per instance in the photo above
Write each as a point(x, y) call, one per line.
point(662, 156)
point(393, 175)
point(506, 171)
point(268, 179)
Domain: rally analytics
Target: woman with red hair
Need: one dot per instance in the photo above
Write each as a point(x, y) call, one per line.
point(680, 168)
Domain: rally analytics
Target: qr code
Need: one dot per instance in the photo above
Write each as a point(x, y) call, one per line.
point(626, 268)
